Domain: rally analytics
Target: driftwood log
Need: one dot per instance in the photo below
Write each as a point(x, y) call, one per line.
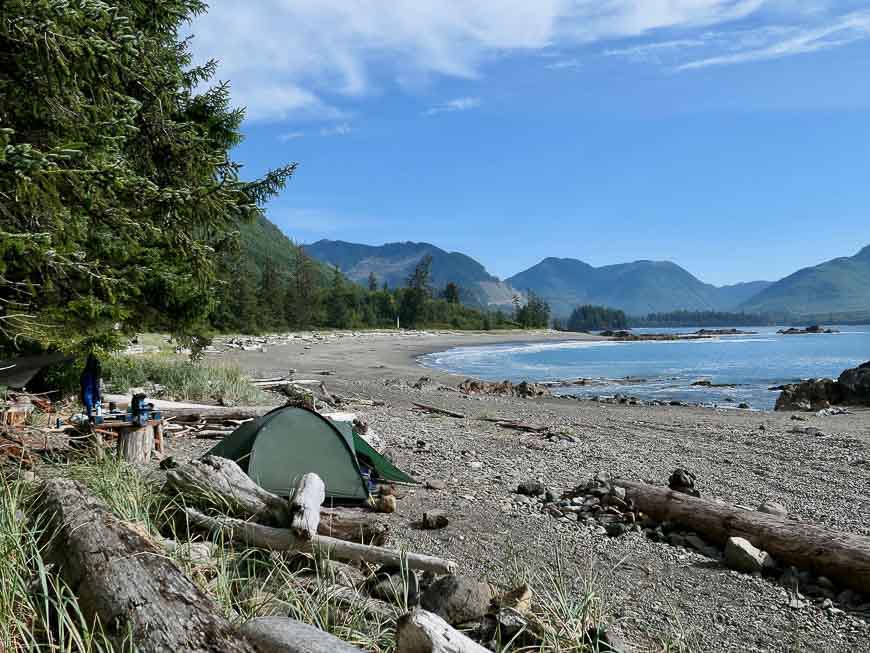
point(285, 635)
point(440, 411)
point(127, 582)
point(305, 505)
point(420, 631)
point(352, 525)
point(841, 557)
point(219, 482)
point(282, 539)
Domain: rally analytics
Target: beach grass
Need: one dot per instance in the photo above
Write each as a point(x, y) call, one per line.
point(179, 379)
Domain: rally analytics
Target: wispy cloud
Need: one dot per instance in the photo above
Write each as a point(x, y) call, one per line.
point(307, 58)
point(290, 136)
point(458, 104)
point(843, 31)
point(342, 129)
point(654, 52)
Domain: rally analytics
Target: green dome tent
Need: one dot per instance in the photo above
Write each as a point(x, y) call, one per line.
point(276, 449)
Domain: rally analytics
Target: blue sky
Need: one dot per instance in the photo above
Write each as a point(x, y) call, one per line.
point(730, 136)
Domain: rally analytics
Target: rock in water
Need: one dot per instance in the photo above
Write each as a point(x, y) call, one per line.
point(856, 384)
point(740, 555)
point(457, 599)
point(811, 394)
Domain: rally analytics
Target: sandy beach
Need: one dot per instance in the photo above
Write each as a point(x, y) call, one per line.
point(658, 593)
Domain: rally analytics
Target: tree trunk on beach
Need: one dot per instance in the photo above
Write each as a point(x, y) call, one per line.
point(127, 582)
point(841, 557)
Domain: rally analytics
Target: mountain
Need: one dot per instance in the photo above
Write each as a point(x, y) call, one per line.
point(261, 240)
point(637, 288)
point(393, 263)
point(840, 286)
point(732, 296)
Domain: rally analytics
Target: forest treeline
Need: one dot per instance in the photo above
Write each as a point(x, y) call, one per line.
point(304, 294)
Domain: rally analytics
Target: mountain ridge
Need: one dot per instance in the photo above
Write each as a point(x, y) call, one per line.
point(393, 263)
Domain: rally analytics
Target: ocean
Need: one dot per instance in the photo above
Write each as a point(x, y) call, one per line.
point(745, 366)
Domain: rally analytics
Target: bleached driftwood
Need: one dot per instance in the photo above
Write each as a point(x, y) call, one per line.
point(420, 631)
point(309, 494)
point(841, 557)
point(281, 539)
point(286, 635)
point(220, 482)
point(127, 582)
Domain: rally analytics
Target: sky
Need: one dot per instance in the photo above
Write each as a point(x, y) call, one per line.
point(729, 136)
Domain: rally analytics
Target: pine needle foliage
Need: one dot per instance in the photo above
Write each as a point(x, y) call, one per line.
point(117, 191)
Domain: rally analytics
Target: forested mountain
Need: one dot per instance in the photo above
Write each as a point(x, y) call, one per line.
point(840, 286)
point(393, 263)
point(637, 288)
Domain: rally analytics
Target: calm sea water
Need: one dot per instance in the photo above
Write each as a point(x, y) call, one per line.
point(665, 370)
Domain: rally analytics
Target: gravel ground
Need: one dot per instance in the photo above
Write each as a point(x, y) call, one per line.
point(660, 593)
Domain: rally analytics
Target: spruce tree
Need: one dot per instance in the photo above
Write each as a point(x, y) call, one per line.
point(116, 186)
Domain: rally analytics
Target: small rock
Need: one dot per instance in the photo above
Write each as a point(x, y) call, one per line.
point(615, 529)
point(435, 519)
point(389, 584)
point(603, 477)
point(740, 555)
point(675, 539)
point(773, 508)
point(435, 484)
point(618, 492)
point(475, 465)
point(457, 599)
point(531, 488)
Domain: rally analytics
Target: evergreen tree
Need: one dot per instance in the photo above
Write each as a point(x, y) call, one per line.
point(451, 293)
point(271, 296)
point(373, 282)
point(116, 186)
point(338, 309)
point(414, 298)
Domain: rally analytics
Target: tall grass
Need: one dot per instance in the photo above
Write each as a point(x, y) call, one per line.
point(38, 610)
point(181, 379)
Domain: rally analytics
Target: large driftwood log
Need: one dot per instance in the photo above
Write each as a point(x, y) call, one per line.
point(220, 482)
point(127, 582)
point(841, 557)
point(309, 494)
point(285, 635)
point(420, 631)
point(281, 539)
point(354, 526)
point(349, 600)
point(214, 481)
point(193, 412)
point(136, 444)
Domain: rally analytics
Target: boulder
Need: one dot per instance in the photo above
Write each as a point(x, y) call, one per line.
point(855, 384)
point(811, 394)
point(391, 585)
point(740, 555)
point(457, 599)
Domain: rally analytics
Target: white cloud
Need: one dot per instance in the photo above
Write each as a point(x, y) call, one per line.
point(305, 59)
point(290, 136)
point(842, 31)
point(342, 129)
point(459, 104)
